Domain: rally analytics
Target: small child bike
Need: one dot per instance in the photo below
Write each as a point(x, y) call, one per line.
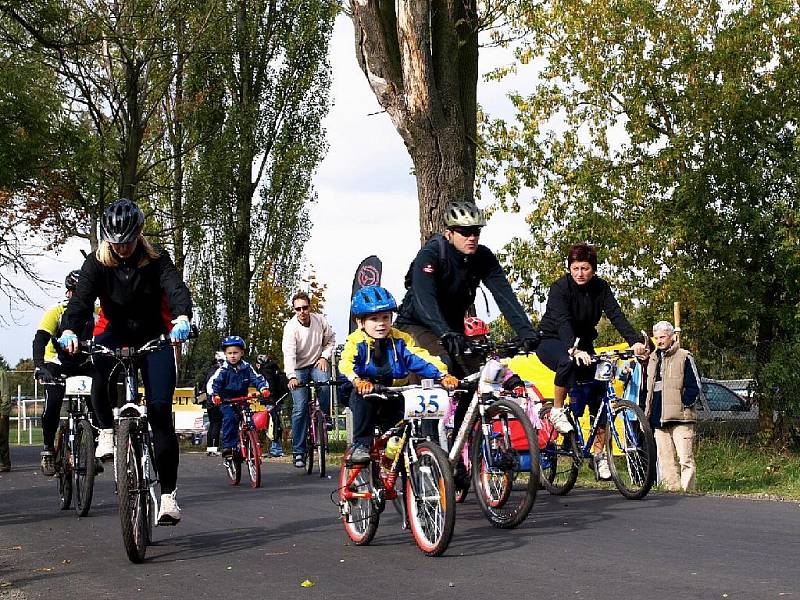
point(249, 450)
point(405, 468)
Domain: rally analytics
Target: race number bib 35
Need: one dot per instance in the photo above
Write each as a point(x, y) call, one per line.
point(425, 404)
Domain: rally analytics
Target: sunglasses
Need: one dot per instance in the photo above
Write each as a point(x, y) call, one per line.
point(467, 231)
point(301, 308)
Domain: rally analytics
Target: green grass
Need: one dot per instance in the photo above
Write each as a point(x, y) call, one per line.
point(731, 465)
point(36, 436)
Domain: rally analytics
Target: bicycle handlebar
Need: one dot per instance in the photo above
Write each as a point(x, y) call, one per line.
point(159, 343)
point(502, 349)
point(241, 399)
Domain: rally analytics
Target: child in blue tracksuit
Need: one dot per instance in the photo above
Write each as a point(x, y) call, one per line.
point(378, 353)
point(232, 380)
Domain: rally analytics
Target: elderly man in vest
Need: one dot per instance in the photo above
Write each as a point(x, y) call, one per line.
point(673, 387)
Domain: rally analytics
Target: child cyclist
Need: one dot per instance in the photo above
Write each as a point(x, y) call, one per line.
point(378, 353)
point(232, 380)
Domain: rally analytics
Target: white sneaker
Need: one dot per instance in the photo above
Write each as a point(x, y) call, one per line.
point(560, 420)
point(105, 444)
point(601, 464)
point(169, 512)
point(212, 451)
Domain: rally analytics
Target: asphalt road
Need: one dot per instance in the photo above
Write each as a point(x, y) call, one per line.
point(244, 543)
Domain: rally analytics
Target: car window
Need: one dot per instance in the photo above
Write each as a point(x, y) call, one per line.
point(721, 398)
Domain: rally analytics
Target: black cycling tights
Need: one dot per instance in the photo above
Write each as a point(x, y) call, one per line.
point(53, 398)
point(158, 376)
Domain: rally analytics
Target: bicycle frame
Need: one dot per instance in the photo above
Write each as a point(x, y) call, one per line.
point(605, 409)
point(124, 413)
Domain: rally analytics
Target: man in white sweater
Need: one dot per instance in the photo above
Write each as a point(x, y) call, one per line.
point(308, 344)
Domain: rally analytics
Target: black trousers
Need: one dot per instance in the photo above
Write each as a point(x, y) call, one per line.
point(214, 426)
point(54, 398)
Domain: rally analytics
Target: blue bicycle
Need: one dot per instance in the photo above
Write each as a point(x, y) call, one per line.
point(629, 443)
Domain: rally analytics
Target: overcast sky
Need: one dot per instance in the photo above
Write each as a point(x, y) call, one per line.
point(367, 198)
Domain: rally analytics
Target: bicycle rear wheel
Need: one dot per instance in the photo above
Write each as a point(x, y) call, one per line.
point(63, 470)
point(631, 450)
point(321, 442)
point(560, 458)
point(83, 458)
point(430, 499)
point(252, 457)
point(131, 491)
point(360, 516)
point(506, 486)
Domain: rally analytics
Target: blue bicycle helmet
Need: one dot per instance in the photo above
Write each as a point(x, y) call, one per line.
point(372, 299)
point(233, 340)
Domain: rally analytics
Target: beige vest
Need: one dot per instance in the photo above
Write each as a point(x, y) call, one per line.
point(672, 366)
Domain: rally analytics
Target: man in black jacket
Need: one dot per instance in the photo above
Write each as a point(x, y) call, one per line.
point(441, 285)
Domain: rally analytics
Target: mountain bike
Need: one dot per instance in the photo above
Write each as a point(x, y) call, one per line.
point(404, 468)
point(135, 472)
point(630, 446)
point(496, 444)
point(317, 430)
point(249, 449)
point(74, 446)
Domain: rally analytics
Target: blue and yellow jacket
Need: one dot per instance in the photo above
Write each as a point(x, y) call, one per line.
point(403, 357)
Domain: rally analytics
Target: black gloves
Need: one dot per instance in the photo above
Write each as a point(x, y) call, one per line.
point(454, 343)
point(44, 375)
point(529, 344)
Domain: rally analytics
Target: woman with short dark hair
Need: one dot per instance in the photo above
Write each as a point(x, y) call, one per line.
point(575, 304)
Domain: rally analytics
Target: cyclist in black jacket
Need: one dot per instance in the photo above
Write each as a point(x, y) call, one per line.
point(441, 285)
point(575, 304)
point(142, 296)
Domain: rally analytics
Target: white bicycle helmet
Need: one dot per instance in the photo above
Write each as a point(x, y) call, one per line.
point(463, 214)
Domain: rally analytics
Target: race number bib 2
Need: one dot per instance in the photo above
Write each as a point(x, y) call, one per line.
point(425, 404)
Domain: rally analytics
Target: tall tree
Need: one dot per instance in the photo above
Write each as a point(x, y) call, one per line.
point(421, 60)
point(265, 77)
point(665, 132)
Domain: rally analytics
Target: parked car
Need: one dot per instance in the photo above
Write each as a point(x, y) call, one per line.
point(719, 403)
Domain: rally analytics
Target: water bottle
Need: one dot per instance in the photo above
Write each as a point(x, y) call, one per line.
point(392, 447)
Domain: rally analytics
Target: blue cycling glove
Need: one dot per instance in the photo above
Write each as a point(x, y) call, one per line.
point(180, 331)
point(66, 339)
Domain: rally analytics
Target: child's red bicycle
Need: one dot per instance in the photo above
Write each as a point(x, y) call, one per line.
point(406, 469)
point(249, 450)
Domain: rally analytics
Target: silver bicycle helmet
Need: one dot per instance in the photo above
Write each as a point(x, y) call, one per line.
point(122, 222)
point(463, 214)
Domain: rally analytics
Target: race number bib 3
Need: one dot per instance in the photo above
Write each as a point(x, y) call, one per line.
point(425, 404)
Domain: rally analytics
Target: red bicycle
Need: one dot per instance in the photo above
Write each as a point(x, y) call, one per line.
point(406, 469)
point(249, 450)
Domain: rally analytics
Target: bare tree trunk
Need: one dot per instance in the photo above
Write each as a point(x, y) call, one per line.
point(421, 60)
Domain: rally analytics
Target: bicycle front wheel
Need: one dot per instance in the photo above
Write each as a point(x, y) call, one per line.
point(360, 516)
point(131, 491)
point(252, 457)
point(505, 466)
point(321, 442)
point(63, 471)
point(560, 459)
point(83, 458)
point(631, 450)
point(431, 499)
